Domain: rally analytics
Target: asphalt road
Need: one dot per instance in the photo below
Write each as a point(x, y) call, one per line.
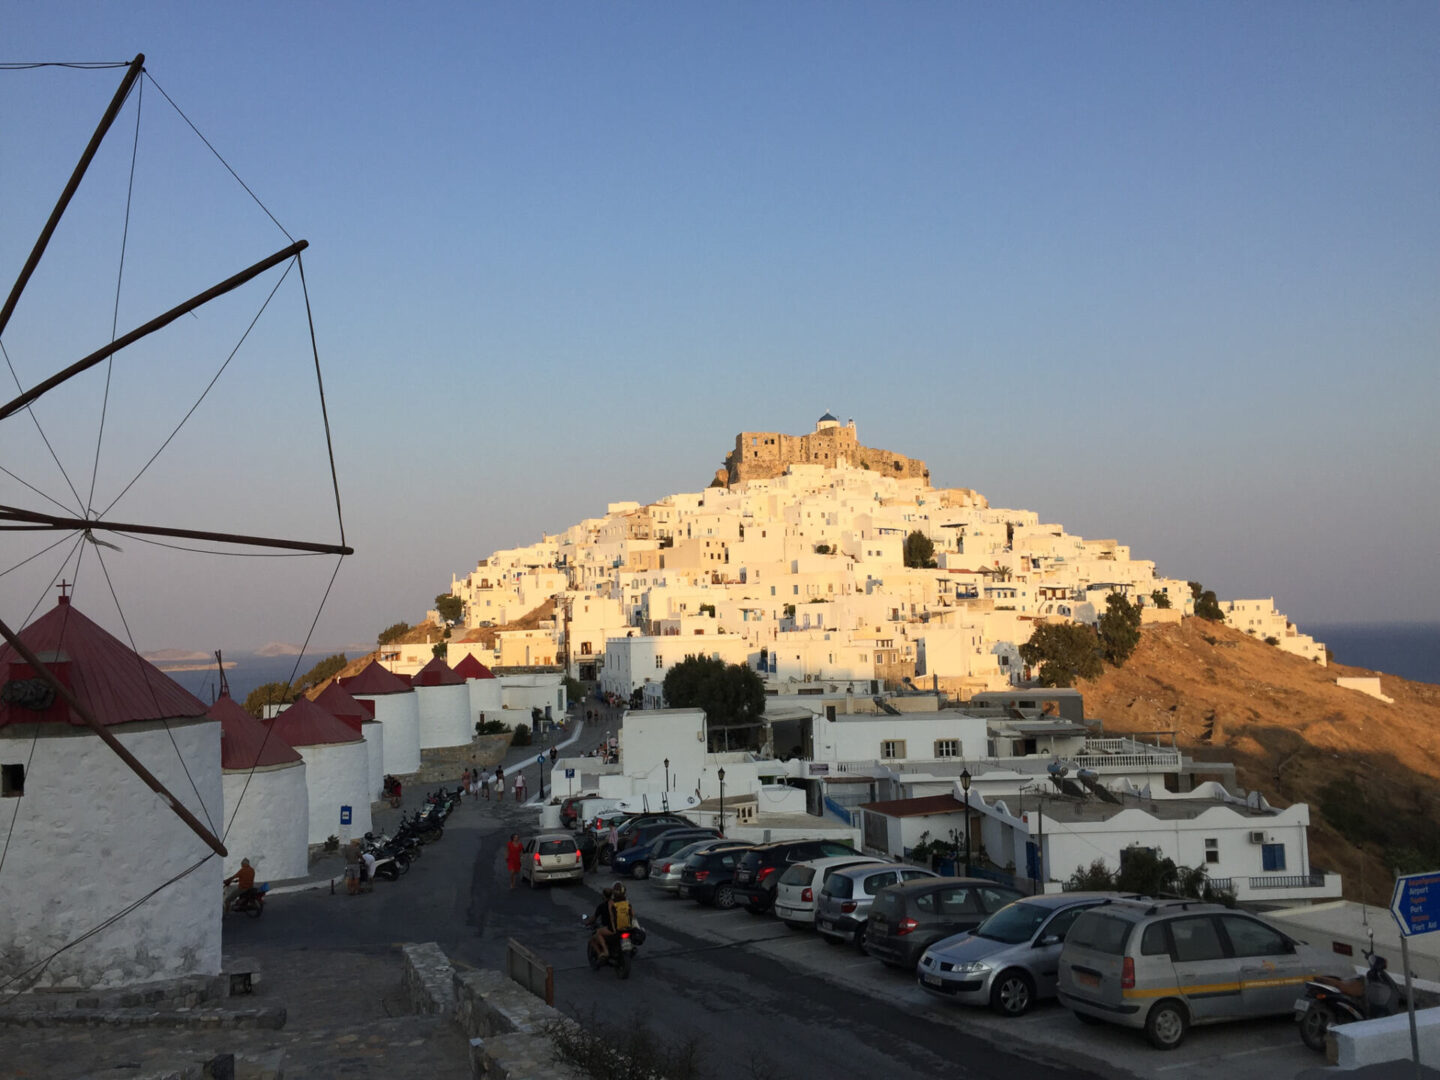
point(749, 1014)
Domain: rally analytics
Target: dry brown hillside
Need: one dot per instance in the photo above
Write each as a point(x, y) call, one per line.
point(1369, 771)
point(430, 633)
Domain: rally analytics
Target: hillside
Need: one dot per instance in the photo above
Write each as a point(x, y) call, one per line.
point(1370, 771)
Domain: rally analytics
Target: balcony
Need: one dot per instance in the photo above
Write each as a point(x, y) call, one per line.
point(1281, 888)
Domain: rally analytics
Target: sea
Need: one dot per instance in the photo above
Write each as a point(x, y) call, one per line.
point(1410, 650)
point(249, 672)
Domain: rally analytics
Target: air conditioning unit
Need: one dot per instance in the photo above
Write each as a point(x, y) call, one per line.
point(1257, 838)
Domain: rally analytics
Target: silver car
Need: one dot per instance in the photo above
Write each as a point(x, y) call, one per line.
point(842, 907)
point(551, 857)
point(666, 872)
point(795, 892)
point(1011, 959)
point(1165, 965)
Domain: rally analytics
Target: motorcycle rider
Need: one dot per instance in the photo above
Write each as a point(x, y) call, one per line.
point(238, 882)
point(601, 922)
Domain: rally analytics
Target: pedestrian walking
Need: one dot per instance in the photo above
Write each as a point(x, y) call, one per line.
point(500, 787)
point(520, 787)
point(475, 782)
point(485, 785)
point(512, 858)
point(465, 782)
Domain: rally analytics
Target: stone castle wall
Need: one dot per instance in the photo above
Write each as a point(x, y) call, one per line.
point(760, 454)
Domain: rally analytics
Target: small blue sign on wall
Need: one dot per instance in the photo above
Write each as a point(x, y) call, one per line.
point(569, 774)
point(344, 815)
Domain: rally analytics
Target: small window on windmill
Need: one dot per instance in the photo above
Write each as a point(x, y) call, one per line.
point(12, 781)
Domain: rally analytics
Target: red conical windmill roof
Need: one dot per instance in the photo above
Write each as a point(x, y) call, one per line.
point(307, 724)
point(436, 673)
point(471, 668)
point(337, 700)
point(246, 743)
point(374, 679)
point(110, 678)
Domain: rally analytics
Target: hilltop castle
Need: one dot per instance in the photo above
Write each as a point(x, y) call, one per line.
point(760, 454)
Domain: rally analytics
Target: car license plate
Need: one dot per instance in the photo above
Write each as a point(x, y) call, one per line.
point(1302, 1005)
point(1086, 978)
point(933, 980)
point(824, 924)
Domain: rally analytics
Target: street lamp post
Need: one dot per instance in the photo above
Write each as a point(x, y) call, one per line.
point(721, 775)
point(965, 787)
point(667, 774)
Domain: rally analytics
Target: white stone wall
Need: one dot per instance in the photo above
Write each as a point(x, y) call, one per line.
point(485, 697)
point(336, 775)
point(270, 826)
point(444, 715)
point(374, 733)
point(90, 839)
point(400, 714)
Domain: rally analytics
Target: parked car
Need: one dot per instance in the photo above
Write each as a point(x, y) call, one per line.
point(759, 871)
point(709, 876)
point(1010, 960)
point(1164, 965)
point(570, 809)
point(907, 919)
point(795, 892)
point(589, 848)
point(666, 871)
point(551, 857)
point(637, 859)
point(646, 825)
point(843, 906)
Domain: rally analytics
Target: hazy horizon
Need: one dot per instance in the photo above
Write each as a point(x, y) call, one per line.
point(1165, 274)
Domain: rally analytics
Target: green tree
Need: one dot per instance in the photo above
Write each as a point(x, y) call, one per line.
point(271, 693)
point(439, 650)
point(1195, 589)
point(1063, 652)
point(1208, 607)
point(822, 549)
point(1161, 599)
point(392, 633)
point(919, 550)
point(450, 607)
point(729, 693)
point(331, 665)
point(1093, 878)
point(574, 689)
point(1119, 629)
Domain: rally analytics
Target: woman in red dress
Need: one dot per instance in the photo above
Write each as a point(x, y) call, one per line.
point(512, 857)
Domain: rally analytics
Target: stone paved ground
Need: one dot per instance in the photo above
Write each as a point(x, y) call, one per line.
point(346, 1017)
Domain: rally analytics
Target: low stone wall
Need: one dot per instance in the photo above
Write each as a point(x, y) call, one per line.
point(429, 981)
point(446, 763)
point(507, 1027)
point(187, 993)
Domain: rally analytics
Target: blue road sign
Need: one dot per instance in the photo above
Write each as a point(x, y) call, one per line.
point(569, 774)
point(540, 760)
point(1416, 903)
point(344, 815)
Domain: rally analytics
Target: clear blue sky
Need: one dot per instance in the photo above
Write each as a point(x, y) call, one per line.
point(1162, 272)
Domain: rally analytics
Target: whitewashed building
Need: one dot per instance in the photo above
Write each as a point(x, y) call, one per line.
point(338, 701)
point(444, 706)
point(267, 807)
point(397, 708)
point(486, 699)
point(337, 768)
point(86, 837)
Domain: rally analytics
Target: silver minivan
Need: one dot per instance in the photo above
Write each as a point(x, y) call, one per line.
point(1010, 960)
point(843, 907)
point(1164, 965)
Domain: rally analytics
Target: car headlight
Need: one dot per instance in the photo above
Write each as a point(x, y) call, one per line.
point(972, 968)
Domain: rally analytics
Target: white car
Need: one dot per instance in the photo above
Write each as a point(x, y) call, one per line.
point(797, 888)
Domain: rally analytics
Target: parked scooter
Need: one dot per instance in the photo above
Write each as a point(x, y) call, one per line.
point(1329, 1001)
point(623, 947)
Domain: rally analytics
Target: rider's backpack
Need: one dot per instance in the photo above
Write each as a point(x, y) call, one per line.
point(622, 915)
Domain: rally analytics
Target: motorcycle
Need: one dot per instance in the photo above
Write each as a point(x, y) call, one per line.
point(623, 948)
point(1329, 1000)
point(251, 902)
